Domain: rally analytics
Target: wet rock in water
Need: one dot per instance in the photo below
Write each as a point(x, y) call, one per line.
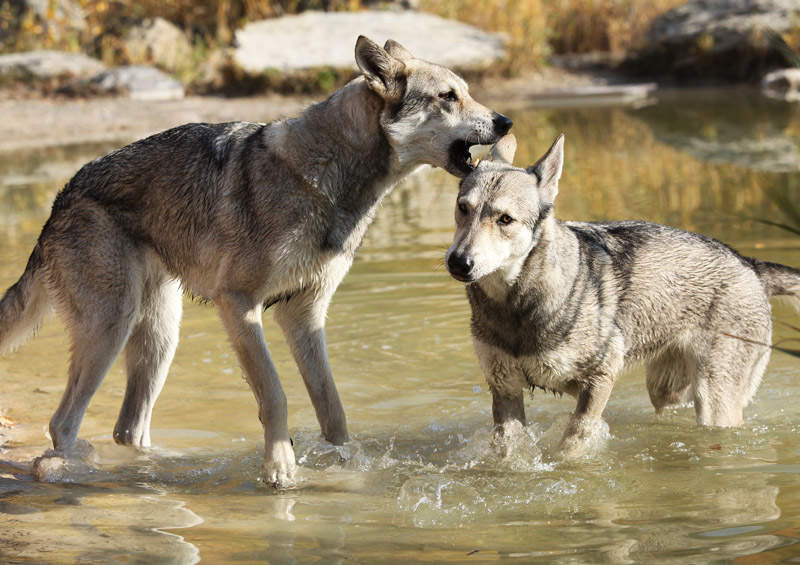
point(717, 40)
point(326, 39)
point(47, 65)
point(437, 501)
point(783, 84)
point(139, 82)
point(159, 42)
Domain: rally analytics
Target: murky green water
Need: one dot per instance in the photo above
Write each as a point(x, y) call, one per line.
point(419, 483)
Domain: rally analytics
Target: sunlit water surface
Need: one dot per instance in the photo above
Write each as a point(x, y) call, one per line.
point(419, 481)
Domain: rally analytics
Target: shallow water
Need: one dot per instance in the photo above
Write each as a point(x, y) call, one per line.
point(419, 482)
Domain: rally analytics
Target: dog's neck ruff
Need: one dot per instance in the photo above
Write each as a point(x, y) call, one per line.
point(346, 129)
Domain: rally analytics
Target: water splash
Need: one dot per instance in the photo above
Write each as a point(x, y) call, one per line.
point(439, 501)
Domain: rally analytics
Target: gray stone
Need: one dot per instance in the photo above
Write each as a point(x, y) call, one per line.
point(48, 64)
point(140, 82)
point(319, 39)
point(783, 84)
point(160, 42)
point(726, 21)
point(718, 39)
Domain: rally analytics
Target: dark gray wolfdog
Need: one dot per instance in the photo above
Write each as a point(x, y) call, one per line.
point(246, 215)
point(565, 306)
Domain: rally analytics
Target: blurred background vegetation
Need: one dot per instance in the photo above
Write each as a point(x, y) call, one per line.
point(535, 28)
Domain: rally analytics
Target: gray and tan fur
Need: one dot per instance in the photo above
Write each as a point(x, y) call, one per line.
point(566, 306)
point(245, 215)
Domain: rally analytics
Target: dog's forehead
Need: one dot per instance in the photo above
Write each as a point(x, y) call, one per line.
point(502, 187)
point(425, 76)
point(491, 179)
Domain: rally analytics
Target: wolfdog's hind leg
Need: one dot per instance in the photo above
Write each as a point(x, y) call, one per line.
point(302, 319)
point(148, 355)
point(242, 319)
point(669, 379)
point(94, 349)
point(95, 274)
point(727, 379)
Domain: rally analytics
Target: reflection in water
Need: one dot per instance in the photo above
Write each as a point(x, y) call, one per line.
point(748, 130)
point(419, 481)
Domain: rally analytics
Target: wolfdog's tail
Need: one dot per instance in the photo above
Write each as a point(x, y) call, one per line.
point(778, 279)
point(24, 305)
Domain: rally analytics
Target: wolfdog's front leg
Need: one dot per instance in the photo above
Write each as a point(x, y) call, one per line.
point(508, 412)
point(242, 319)
point(302, 319)
point(506, 384)
point(592, 400)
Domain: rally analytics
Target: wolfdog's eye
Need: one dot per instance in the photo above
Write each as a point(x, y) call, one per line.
point(463, 208)
point(450, 96)
point(505, 219)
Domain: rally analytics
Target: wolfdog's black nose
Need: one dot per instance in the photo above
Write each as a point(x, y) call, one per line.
point(460, 265)
point(501, 124)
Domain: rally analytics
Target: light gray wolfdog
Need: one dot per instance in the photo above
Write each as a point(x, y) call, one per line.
point(565, 306)
point(248, 216)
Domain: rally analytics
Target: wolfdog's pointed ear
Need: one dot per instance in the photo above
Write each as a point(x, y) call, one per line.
point(397, 51)
point(548, 169)
point(382, 71)
point(504, 149)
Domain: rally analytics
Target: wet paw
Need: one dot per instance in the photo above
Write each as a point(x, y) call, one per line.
point(131, 436)
point(504, 436)
point(572, 447)
point(50, 468)
point(55, 466)
point(279, 465)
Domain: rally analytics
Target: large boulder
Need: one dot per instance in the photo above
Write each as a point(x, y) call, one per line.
point(45, 65)
point(159, 42)
point(139, 82)
point(326, 39)
point(731, 40)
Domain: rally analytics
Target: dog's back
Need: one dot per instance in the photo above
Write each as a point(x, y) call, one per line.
point(669, 285)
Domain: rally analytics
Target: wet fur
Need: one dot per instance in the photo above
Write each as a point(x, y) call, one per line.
point(246, 215)
point(566, 306)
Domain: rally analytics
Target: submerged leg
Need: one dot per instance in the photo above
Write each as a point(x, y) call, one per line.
point(592, 400)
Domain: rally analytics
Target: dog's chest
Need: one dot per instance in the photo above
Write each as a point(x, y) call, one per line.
point(513, 325)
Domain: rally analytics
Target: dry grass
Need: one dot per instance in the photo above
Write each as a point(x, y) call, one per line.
point(209, 23)
point(581, 26)
point(524, 21)
point(536, 28)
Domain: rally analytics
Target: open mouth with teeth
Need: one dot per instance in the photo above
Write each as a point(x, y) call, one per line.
point(460, 161)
